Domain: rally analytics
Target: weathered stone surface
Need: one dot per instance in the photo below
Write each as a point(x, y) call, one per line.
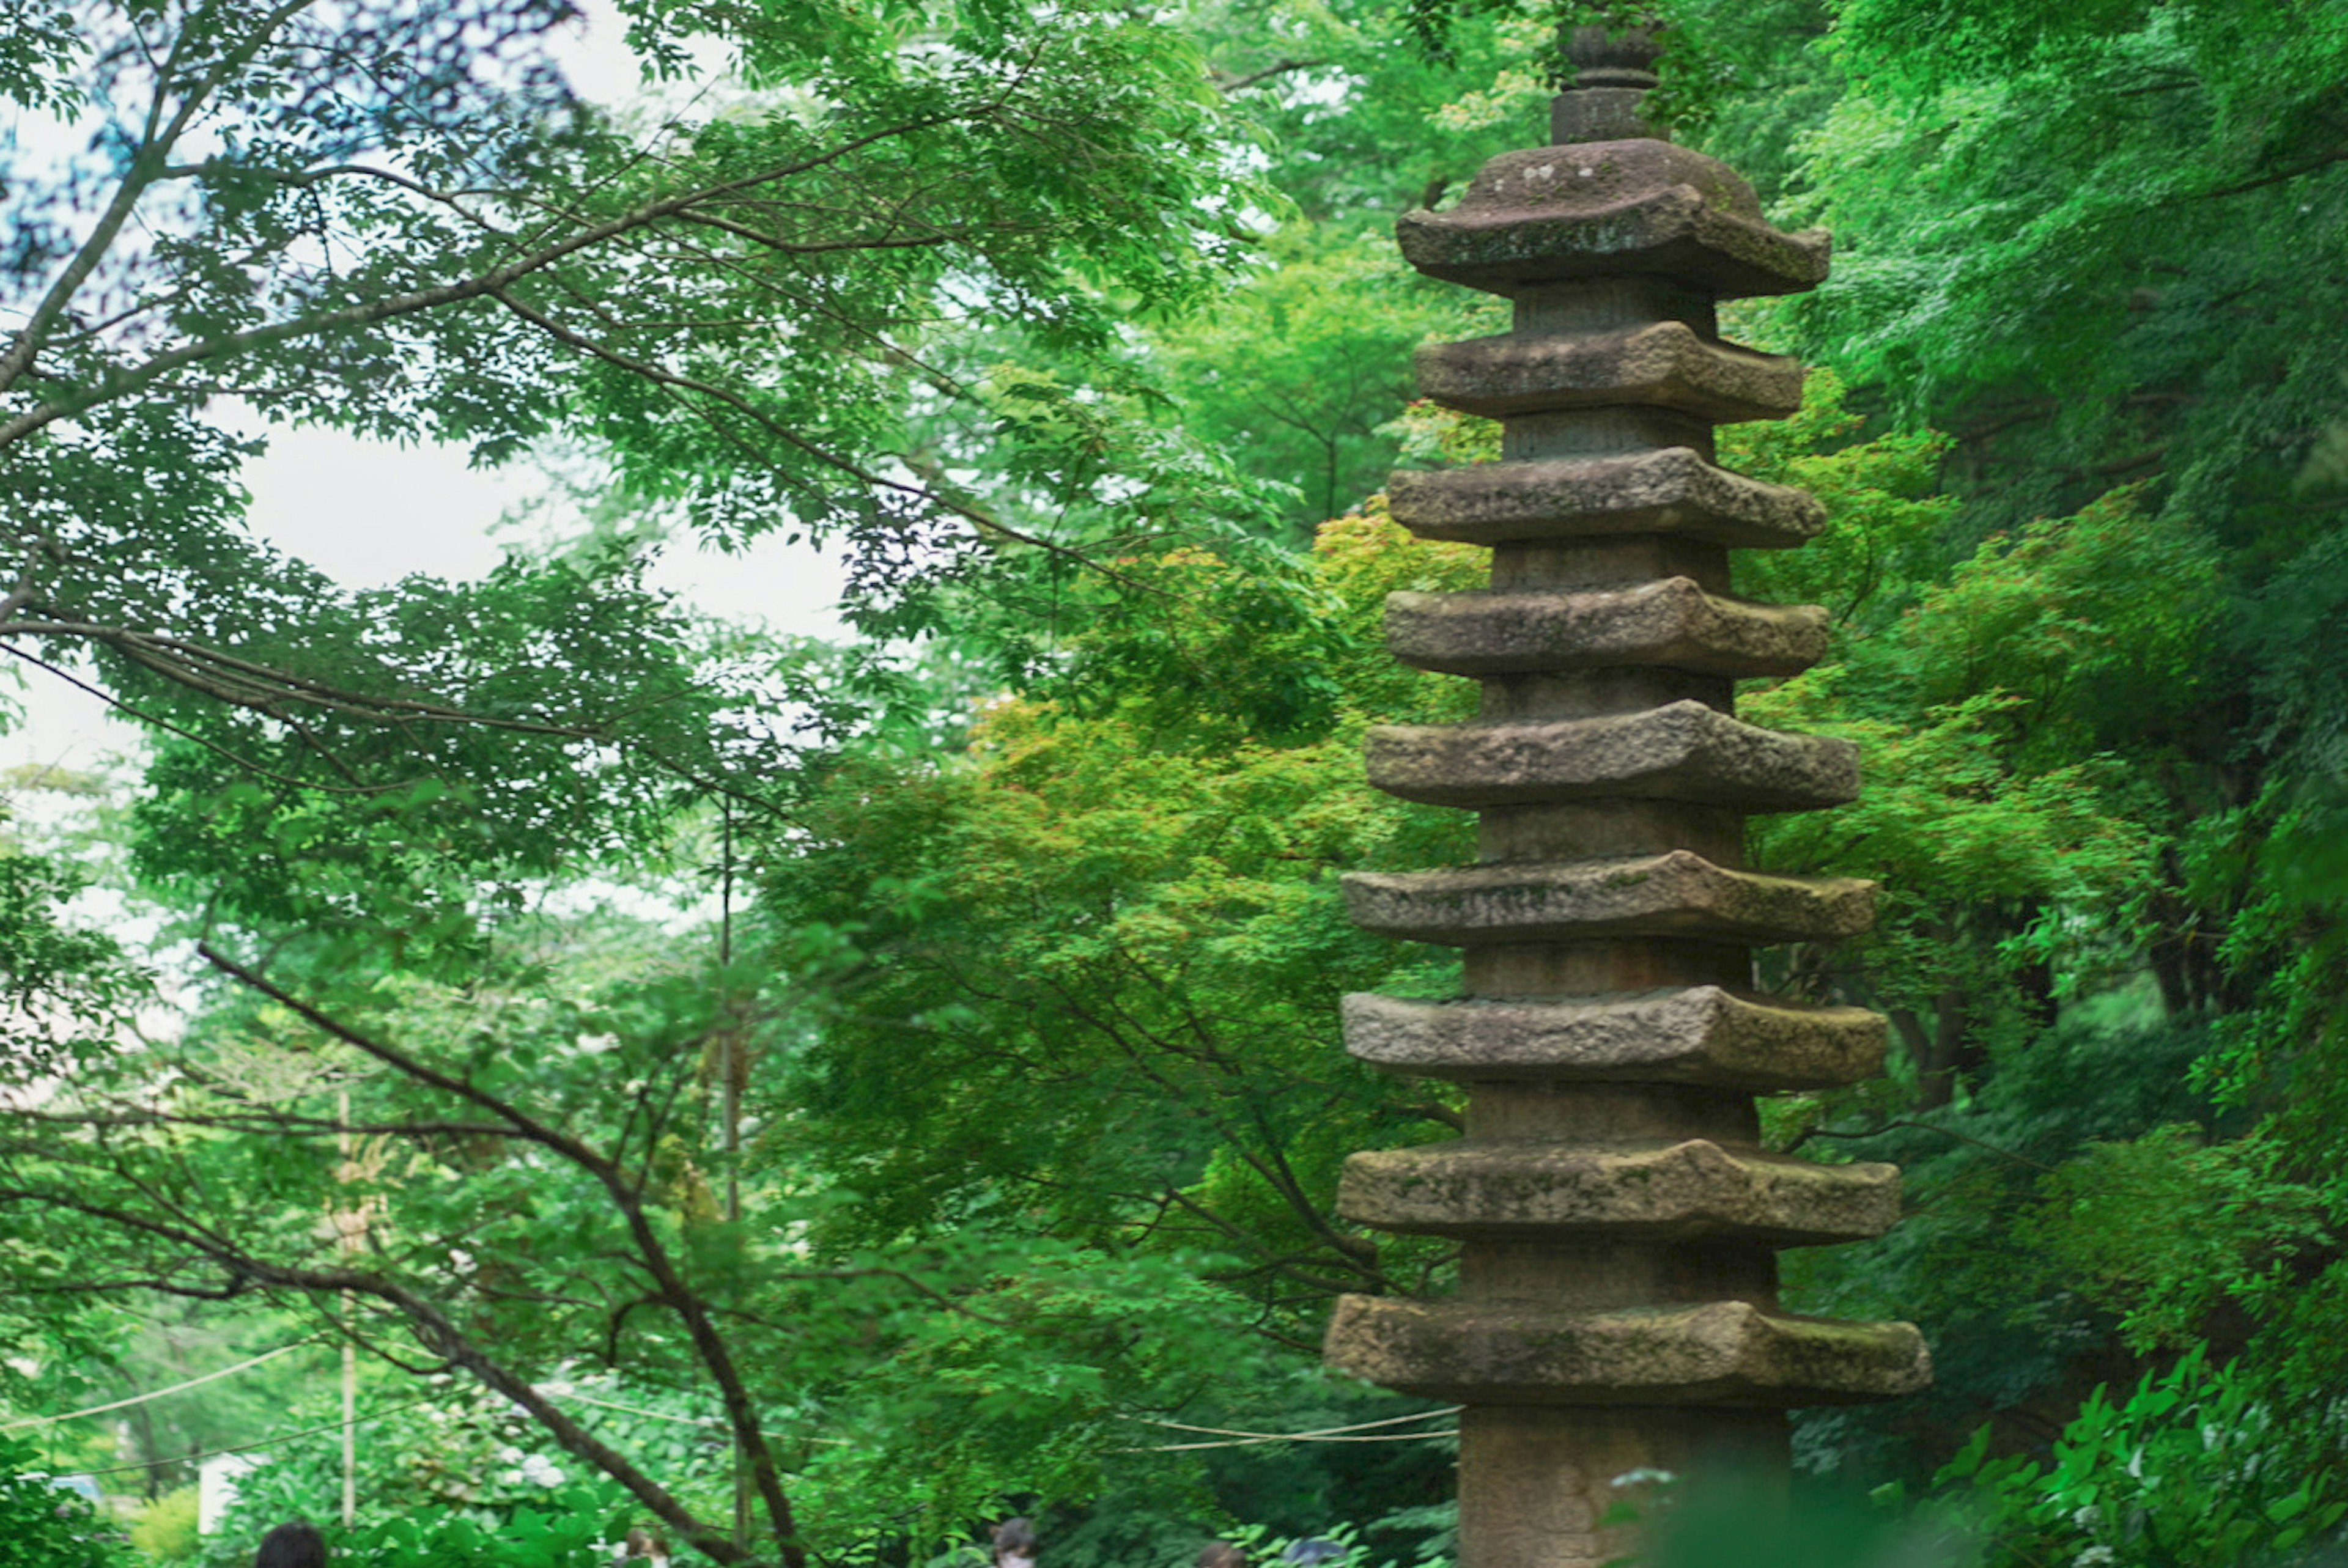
point(1664, 365)
point(1671, 1191)
point(1683, 750)
point(1559, 1486)
point(1604, 56)
point(1698, 1034)
point(1602, 113)
point(1679, 894)
point(1671, 490)
point(1617, 1222)
point(1672, 623)
point(1608, 208)
point(1720, 1353)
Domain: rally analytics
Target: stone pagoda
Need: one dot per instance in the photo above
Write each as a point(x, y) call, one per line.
point(1617, 1218)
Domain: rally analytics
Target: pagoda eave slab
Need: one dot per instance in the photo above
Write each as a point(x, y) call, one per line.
point(1651, 1191)
point(1670, 490)
point(1675, 894)
point(1684, 751)
point(1728, 1353)
point(1672, 623)
point(1664, 365)
point(1698, 1034)
point(1510, 241)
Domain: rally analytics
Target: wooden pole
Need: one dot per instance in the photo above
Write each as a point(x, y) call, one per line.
point(346, 1242)
point(730, 1100)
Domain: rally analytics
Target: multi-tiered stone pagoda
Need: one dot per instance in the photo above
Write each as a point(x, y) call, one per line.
point(1617, 1309)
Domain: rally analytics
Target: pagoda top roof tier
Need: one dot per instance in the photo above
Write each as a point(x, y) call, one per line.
point(1610, 209)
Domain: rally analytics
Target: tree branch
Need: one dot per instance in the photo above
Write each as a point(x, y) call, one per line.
point(652, 1252)
point(1227, 86)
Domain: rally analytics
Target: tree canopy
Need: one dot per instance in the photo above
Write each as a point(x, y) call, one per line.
point(818, 1097)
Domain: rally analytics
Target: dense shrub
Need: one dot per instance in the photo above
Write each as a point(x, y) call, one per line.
point(44, 1526)
point(166, 1529)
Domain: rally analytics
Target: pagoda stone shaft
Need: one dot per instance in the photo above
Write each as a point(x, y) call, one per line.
point(1619, 1220)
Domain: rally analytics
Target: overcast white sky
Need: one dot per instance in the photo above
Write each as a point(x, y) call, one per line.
point(368, 513)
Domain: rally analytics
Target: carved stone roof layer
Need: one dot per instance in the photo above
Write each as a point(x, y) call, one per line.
point(1677, 894)
point(1668, 490)
point(1698, 1034)
point(1606, 208)
point(1715, 1353)
point(1672, 623)
point(1663, 364)
point(1655, 1189)
point(1683, 750)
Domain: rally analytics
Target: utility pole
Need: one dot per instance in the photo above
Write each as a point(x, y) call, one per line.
point(349, 1225)
point(729, 1068)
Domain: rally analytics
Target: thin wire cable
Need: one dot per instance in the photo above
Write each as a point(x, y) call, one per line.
point(1288, 1437)
point(660, 1416)
point(245, 1448)
point(155, 1394)
point(1445, 1414)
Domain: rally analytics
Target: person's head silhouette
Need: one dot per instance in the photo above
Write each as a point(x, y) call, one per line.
point(294, 1545)
point(1014, 1543)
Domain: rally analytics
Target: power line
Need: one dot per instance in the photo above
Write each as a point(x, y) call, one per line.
point(247, 1447)
point(1359, 1433)
point(1289, 1438)
point(1445, 1414)
point(337, 1425)
point(157, 1393)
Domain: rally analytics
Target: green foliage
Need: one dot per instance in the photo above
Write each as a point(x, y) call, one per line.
point(1746, 1520)
point(569, 1526)
point(2011, 1331)
point(1993, 716)
point(356, 826)
point(63, 988)
point(440, 1464)
point(574, 1528)
point(2081, 241)
point(1294, 374)
point(1107, 944)
point(44, 1526)
point(165, 1529)
point(2164, 1228)
point(1881, 491)
point(358, 236)
point(1356, 1546)
point(1052, 317)
point(2183, 1472)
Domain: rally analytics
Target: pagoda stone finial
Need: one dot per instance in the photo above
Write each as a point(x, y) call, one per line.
point(1606, 72)
point(1617, 1218)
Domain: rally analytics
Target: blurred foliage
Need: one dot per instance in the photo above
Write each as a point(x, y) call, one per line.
point(165, 1529)
point(1031, 957)
point(2184, 1469)
point(47, 1526)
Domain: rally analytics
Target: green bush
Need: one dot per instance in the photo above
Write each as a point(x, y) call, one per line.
point(572, 1526)
point(2185, 1475)
point(571, 1529)
point(43, 1526)
point(2187, 1472)
point(453, 1483)
point(166, 1527)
